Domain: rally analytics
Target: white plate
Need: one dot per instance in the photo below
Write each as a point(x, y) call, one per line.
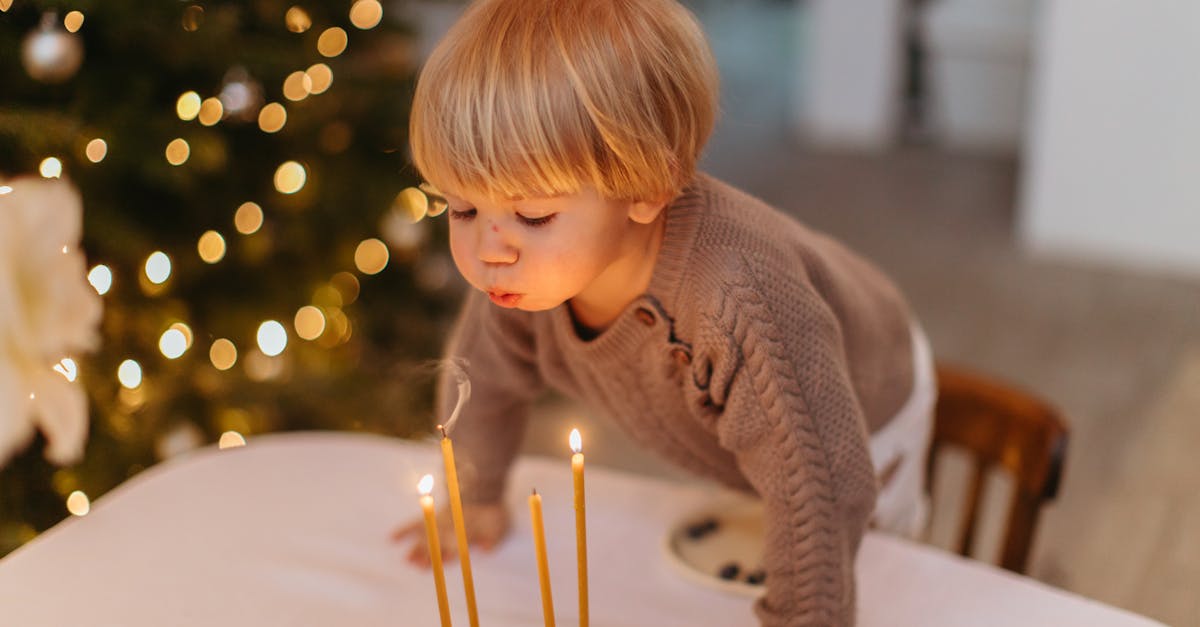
point(736, 539)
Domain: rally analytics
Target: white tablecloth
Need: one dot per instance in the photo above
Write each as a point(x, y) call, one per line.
point(293, 530)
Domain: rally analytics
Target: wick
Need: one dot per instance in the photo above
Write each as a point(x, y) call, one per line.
point(443, 430)
point(534, 491)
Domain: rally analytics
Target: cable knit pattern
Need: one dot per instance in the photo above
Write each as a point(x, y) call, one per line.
point(761, 356)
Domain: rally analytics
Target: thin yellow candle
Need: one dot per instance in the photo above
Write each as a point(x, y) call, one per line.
point(425, 486)
point(539, 547)
point(460, 529)
point(580, 525)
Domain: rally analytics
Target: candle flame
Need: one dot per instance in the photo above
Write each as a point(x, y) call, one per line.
point(576, 441)
point(425, 485)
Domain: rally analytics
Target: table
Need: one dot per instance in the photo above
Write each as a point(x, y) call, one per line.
point(292, 529)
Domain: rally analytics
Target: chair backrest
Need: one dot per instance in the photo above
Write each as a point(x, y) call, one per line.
point(1000, 426)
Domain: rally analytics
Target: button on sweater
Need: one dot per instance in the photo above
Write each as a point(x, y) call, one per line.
point(761, 356)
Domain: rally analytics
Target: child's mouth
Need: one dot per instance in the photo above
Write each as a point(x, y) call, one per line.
point(504, 299)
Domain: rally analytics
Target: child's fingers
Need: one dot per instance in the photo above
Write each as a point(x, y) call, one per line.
point(404, 531)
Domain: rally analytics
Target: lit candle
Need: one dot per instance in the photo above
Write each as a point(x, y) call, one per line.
point(425, 486)
point(460, 529)
point(539, 546)
point(580, 525)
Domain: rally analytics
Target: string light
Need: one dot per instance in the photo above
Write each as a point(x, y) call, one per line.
point(320, 78)
point(73, 21)
point(248, 218)
point(222, 354)
point(290, 177)
point(78, 503)
point(297, 20)
point(371, 256)
point(310, 322)
point(366, 14)
point(50, 168)
point(272, 338)
point(178, 151)
point(332, 42)
point(129, 373)
point(158, 267)
point(297, 86)
point(172, 344)
point(101, 278)
point(187, 107)
point(211, 247)
point(211, 111)
point(272, 117)
point(96, 150)
point(231, 439)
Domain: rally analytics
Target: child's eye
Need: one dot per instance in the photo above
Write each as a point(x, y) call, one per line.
point(542, 221)
point(461, 214)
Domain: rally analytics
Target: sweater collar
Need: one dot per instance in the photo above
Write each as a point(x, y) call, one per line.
point(679, 237)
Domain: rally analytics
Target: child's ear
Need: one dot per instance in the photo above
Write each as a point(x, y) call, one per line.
point(646, 211)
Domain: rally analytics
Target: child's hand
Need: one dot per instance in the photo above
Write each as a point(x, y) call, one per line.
point(486, 526)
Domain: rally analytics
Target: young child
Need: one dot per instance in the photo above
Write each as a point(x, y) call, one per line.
point(719, 332)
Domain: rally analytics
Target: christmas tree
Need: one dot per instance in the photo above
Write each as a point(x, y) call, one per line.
point(249, 217)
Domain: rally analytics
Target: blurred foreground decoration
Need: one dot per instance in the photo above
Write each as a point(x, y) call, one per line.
point(49, 316)
point(240, 166)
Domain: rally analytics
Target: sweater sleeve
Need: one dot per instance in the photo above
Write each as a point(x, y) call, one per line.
point(793, 422)
point(496, 348)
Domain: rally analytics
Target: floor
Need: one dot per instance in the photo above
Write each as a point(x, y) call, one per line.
point(1117, 350)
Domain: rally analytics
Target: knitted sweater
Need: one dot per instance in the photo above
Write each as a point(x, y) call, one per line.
point(761, 356)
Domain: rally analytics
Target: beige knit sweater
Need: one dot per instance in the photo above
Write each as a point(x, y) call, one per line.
point(761, 356)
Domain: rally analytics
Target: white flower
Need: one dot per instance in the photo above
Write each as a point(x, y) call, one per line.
point(48, 312)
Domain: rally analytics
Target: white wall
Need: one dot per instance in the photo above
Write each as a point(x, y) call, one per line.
point(1112, 166)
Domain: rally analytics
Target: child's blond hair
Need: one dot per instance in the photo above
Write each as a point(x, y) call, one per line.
point(534, 98)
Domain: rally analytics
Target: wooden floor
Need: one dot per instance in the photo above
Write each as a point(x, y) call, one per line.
point(1117, 350)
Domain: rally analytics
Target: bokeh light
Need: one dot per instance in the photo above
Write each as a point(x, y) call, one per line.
point(96, 150)
point(222, 354)
point(272, 338)
point(101, 278)
point(129, 373)
point(332, 42)
point(320, 78)
point(366, 14)
point(248, 218)
point(309, 322)
point(211, 247)
point(73, 21)
point(185, 330)
point(68, 369)
point(158, 267)
point(297, 20)
point(187, 107)
point(412, 203)
point(193, 17)
point(231, 439)
point(178, 151)
point(211, 111)
point(50, 168)
point(290, 177)
point(78, 503)
point(347, 285)
point(272, 117)
point(172, 344)
point(297, 86)
point(371, 256)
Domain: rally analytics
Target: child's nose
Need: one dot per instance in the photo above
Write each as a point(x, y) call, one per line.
point(494, 247)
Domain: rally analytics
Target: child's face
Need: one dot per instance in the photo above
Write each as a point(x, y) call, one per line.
point(535, 254)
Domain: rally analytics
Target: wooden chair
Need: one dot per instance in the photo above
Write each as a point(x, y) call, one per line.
point(1003, 427)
